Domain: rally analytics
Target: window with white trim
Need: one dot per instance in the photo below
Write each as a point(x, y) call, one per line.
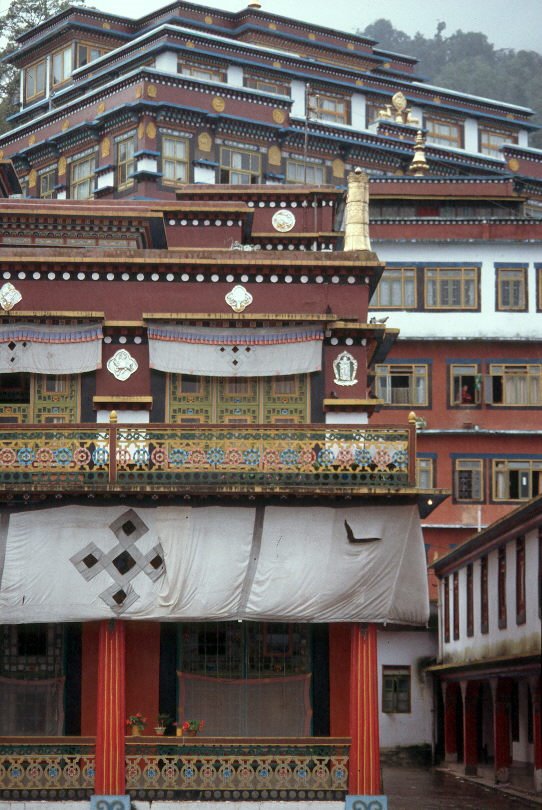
point(399, 384)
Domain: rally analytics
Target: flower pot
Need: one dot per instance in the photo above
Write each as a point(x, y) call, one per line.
point(136, 731)
point(160, 730)
point(190, 732)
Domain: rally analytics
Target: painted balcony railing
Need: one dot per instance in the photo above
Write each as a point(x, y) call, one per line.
point(209, 458)
point(176, 768)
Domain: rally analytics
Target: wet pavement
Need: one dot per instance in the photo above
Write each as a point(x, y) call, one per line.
point(433, 789)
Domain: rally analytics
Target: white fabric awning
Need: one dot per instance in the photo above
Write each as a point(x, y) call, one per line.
point(207, 352)
point(274, 563)
point(43, 349)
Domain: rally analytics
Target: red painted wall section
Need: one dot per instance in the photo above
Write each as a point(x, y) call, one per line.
point(142, 670)
point(89, 676)
point(339, 680)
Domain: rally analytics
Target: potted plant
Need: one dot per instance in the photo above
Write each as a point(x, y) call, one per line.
point(190, 728)
point(136, 723)
point(162, 722)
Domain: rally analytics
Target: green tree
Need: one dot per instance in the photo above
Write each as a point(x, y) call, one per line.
point(21, 16)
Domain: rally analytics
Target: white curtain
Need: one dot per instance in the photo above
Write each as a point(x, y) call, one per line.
point(44, 349)
point(31, 708)
point(250, 707)
point(207, 352)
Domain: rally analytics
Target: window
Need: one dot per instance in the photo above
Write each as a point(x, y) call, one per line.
point(86, 53)
point(396, 289)
point(470, 601)
point(326, 107)
point(82, 178)
point(403, 384)
point(47, 184)
point(465, 384)
point(539, 288)
point(455, 288)
point(299, 172)
point(501, 587)
point(186, 384)
point(514, 384)
point(491, 141)
point(284, 386)
point(516, 480)
point(14, 388)
point(468, 480)
point(125, 161)
point(444, 132)
point(62, 66)
point(512, 289)
point(54, 384)
point(200, 70)
point(34, 80)
point(372, 108)
point(266, 84)
point(239, 167)
point(446, 588)
point(484, 601)
point(424, 473)
point(521, 616)
point(396, 690)
point(456, 604)
point(174, 159)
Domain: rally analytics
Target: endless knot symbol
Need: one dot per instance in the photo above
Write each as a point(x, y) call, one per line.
point(123, 562)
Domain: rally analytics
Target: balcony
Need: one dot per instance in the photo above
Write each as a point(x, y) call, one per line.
point(169, 768)
point(327, 459)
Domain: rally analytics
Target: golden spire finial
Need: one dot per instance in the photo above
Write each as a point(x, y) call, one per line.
point(419, 166)
point(356, 232)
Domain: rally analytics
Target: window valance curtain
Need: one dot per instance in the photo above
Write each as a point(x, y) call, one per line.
point(43, 349)
point(207, 352)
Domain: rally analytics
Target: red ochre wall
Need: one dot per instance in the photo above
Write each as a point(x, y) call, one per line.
point(142, 673)
point(339, 680)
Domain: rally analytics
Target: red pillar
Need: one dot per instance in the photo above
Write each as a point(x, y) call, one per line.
point(470, 691)
point(501, 698)
point(535, 686)
point(364, 776)
point(450, 721)
point(110, 779)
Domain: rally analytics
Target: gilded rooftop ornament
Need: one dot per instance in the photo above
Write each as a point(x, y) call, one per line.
point(398, 110)
point(356, 233)
point(419, 166)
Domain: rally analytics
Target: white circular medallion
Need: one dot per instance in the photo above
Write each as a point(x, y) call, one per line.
point(283, 221)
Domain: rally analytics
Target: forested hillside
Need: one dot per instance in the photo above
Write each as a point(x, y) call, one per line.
point(466, 61)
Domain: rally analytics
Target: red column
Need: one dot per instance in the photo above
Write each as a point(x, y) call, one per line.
point(501, 719)
point(450, 721)
point(111, 709)
point(470, 691)
point(535, 686)
point(364, 776)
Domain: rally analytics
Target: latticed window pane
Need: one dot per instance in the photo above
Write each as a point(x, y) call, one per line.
point(468, 479)
point(238, 167)
point(125, 161)
point(402, 384)
point(451, 288)
point(82, 178)
point(511, 289)
point(396, 689)
point(396, 288)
